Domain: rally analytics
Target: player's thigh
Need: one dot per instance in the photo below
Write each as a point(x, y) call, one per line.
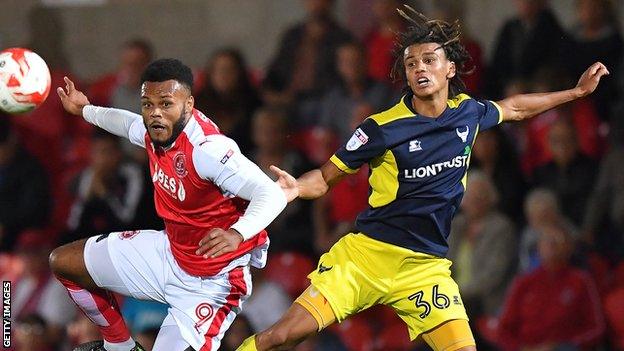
point(452, 335)
point(131, 263)
point(204, 308)
point(317, 308)
point(425, 296)
point(353, 275)
point(67, 262)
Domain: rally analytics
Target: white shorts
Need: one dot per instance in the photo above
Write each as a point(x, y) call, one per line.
point(140, 264)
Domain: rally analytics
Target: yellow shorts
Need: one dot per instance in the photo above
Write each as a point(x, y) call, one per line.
point(359, 272)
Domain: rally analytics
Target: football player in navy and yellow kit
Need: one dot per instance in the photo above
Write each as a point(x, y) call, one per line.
point(418, 152)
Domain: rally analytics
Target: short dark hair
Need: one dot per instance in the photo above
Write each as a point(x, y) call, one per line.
point(424, 30)
point(165, 69)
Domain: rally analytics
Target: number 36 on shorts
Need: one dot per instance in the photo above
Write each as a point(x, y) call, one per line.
point(435, 299)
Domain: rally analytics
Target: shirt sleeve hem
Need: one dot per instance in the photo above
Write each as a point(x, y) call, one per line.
point(500, 112)
point(341, 165)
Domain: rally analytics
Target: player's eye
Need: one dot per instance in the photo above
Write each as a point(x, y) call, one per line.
point(167, 103)
point(146, 104)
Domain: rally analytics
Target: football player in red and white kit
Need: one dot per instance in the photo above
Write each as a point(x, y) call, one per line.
point(215, 204)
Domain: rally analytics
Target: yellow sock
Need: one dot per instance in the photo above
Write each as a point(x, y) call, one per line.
point(248, 345)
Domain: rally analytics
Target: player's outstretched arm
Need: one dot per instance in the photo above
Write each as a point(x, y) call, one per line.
point(310, 185)
point(519, 107)
point(116, 121)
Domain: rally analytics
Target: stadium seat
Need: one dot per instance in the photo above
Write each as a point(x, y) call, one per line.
point(614, 313)
point(355, 333)
point(394, 337)
point(618, 276)
point(380, 316)
point(290, 270)
point(601, 272)
point(487, 328)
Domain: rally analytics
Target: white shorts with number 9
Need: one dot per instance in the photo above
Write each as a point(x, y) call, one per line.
point(140, 264)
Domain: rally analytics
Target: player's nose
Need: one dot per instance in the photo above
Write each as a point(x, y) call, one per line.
point(156, 113)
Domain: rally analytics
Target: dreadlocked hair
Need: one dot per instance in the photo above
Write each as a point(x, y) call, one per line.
point(424, 30)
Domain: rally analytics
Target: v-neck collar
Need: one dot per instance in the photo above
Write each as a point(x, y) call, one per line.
point(407, 102)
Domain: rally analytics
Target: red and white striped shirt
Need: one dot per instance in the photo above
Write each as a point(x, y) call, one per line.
point(196, 183)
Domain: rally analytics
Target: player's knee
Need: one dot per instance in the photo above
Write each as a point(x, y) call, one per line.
point(62, 260)
point(56, 260)
point(277, 336)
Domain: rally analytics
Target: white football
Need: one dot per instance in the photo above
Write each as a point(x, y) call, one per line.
point(24, 80)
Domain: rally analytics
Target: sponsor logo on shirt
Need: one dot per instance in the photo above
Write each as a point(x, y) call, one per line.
point(414, 145)
point(436, 168)
point(358, 139)
point(227, 156)
point(172, 186)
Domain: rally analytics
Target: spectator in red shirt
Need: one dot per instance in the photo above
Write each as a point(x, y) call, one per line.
point(555, 306)
point(380, 41)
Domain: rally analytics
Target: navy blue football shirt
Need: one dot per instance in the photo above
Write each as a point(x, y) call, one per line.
point(418, 168)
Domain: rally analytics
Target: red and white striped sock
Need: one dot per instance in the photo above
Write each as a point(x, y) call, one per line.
point(101, 307)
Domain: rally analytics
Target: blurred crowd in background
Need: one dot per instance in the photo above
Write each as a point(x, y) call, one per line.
point(537, 247)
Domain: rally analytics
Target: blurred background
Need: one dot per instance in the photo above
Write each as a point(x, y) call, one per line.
point(539, 242)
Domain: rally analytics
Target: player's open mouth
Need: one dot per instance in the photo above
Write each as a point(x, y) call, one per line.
point(157, 127)
point(422, 82)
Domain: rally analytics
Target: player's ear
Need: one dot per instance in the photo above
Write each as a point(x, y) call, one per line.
point(190, 102)
point(452, 70)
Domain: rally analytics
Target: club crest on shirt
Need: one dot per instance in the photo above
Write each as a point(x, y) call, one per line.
point(463, 134)
point(128, 234)
point(179, 165)
point(358, 139)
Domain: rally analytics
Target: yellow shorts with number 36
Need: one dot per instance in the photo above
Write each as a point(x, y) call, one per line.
point(359, 272)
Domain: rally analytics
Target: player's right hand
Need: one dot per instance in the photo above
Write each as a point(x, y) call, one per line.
point(287, 182)
point(218, 242)
point(590, 78)
point(73, 100)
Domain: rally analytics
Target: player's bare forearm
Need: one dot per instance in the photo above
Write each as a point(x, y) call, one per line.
point(312, 185)
point(316, 183)
point(523, 106)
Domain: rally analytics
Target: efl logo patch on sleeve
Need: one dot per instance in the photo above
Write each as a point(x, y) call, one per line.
point(227, 156)
point(358, 139)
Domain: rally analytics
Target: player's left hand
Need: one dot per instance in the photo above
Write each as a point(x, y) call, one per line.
point(218, 242)
point(590, 78)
